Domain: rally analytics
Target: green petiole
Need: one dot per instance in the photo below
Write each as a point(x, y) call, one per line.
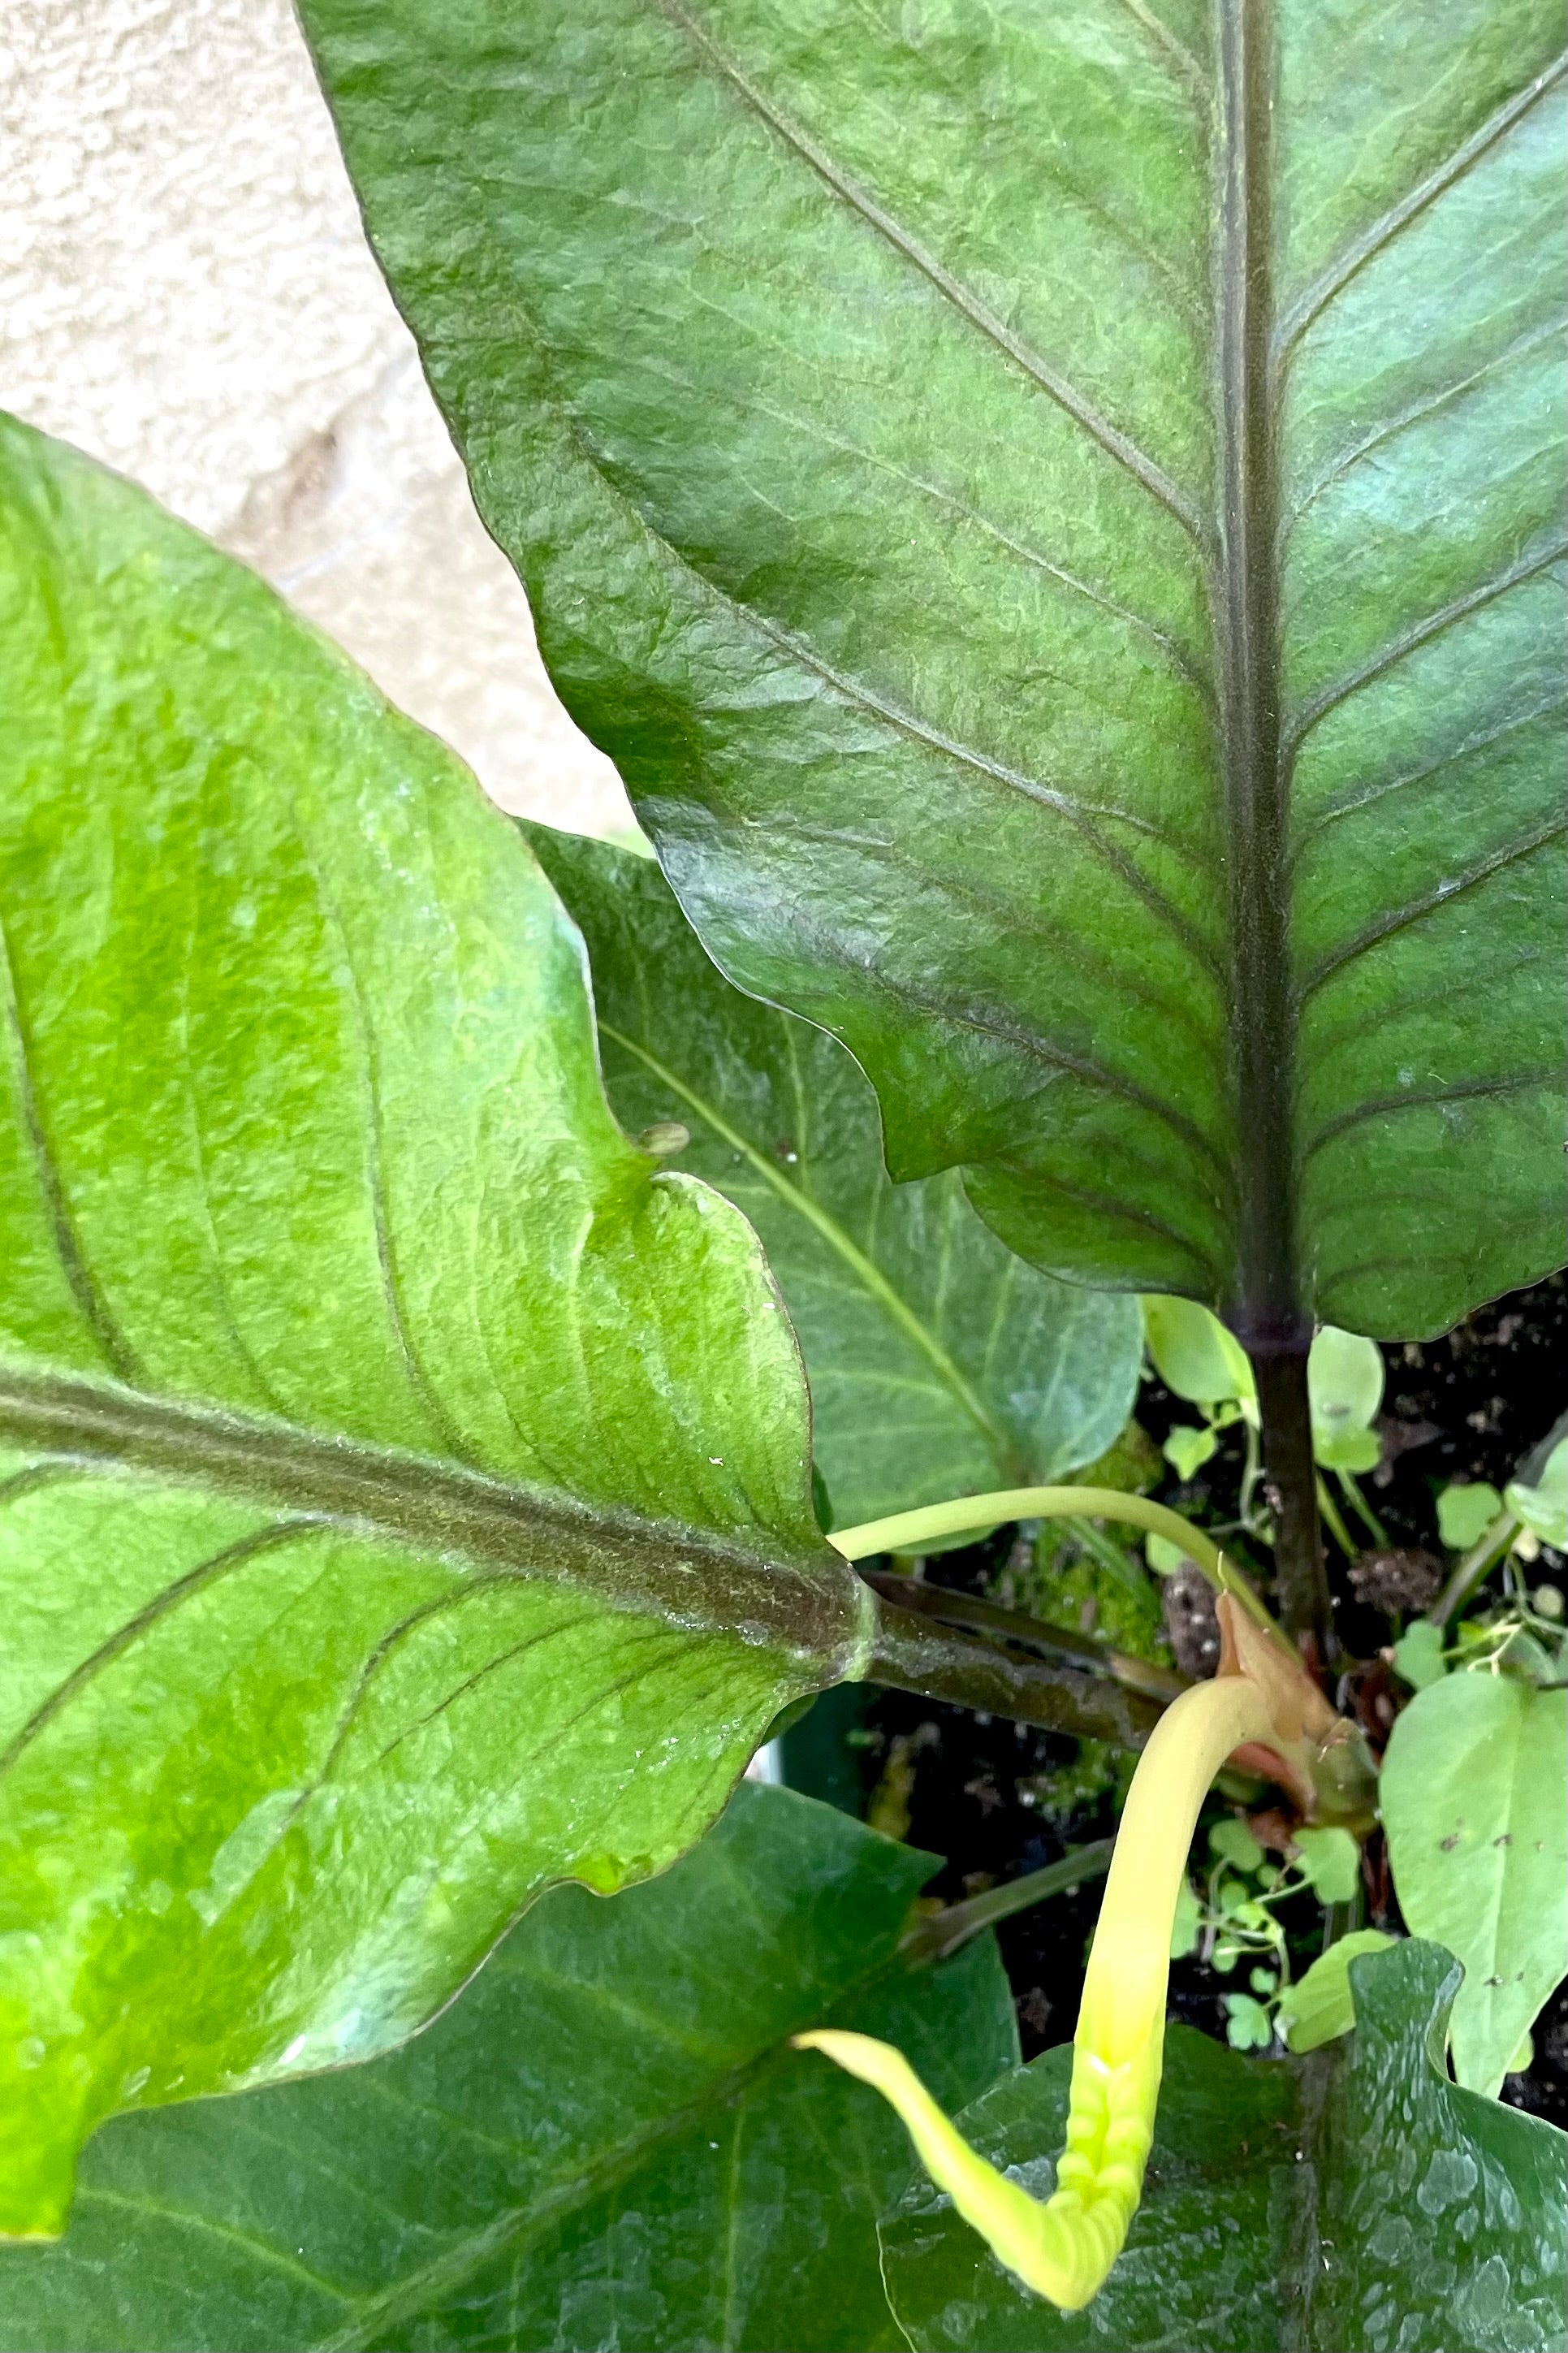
point(910, 1531)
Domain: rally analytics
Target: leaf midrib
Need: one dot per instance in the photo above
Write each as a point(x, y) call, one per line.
point(805, 1602)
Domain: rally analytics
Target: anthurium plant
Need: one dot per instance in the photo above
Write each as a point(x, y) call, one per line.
point(1057, 514)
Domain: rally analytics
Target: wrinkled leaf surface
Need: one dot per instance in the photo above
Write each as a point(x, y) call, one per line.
point(407, 1501)
point(1056, 513)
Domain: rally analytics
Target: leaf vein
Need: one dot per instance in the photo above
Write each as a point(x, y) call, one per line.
point(1316, 299)
point(1399, 648)
point(1416, 910)
point(1115, 444)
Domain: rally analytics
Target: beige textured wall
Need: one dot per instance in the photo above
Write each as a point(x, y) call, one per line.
point(186, 294)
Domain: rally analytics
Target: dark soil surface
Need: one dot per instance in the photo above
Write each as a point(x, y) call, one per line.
point(987, 1795)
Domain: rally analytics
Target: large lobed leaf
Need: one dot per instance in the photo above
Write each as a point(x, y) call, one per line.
point(940, 1363)
point(1352, 2203)
point(1056, 513)
point(604, 2143)
point(406, 1499)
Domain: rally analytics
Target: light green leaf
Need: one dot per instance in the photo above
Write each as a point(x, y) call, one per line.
point(1344, 1384)
point(1233, 1843)
point(1354, 2202)
point(604, 2143)
point(1186, 1450)
point(940, 1363)
point(1347, 1449)
point(1331, 1861)
point(1543, 1507)
point(1471, 1797)
point(1247, 2024)
point(1466, 1512)
point(409, 1502)
point(1194, 1354)
point(1056, 513)
point(1418, 1654)
point(1320, 2006)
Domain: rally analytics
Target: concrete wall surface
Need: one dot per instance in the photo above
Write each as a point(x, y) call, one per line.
point(185, 292)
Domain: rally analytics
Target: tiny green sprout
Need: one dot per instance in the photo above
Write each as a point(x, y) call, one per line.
point(1248, 2024)
point(1187, 1448)
point(1331, 1861)
point(1466, 1510)
point(1064, 2247)
point(1233, 1843)
point(1418, 1655)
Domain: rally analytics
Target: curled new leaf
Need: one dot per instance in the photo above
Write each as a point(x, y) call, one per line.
point(1064, 2247)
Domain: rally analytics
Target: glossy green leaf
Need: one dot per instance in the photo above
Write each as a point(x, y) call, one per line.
point(1056, 513)
point(939, 1363)
point(1354, 2202)
point(1471, 1798)
point(603, 2144)
point(408, 1503)
point(1438, 2214)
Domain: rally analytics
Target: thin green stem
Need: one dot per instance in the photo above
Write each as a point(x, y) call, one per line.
point(1333, 1520)
point(908, 1531)
point(934, 1935)
point(1478, 1562)
point(1350, 1489)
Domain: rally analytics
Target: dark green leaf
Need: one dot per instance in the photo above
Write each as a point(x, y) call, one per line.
point(939, 1363)
point(1439, 2224)
point(407, 1503)
point(1056, 513)
point(601, 2145)
point(1354, 2202)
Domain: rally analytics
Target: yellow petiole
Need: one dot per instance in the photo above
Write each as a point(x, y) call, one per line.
point(1064, 2248)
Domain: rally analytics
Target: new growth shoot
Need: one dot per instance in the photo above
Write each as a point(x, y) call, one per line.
point(1064, 2248)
